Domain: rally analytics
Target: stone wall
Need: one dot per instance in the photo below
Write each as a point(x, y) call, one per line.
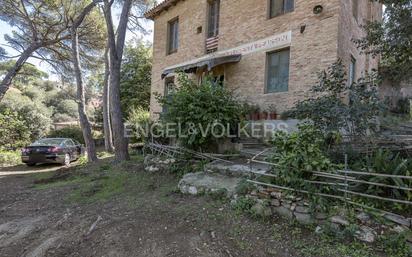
point(271, 201)
point(326, 37)
point(350, 28)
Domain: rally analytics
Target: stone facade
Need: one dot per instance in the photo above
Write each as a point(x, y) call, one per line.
point(326, 37)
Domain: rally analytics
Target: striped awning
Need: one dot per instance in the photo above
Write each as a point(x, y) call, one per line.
point(209, 63)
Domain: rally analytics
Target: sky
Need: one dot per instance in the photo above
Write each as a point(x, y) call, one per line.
point(6, 29)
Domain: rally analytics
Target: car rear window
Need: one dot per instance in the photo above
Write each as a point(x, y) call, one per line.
point(47, 142)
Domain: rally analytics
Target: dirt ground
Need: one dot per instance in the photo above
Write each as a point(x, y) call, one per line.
point(145, 216)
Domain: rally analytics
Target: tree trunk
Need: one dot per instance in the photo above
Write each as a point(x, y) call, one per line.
point(108, 137)
point(6, 82)
point(81, 99)
point(120, 141)
point(116, 45)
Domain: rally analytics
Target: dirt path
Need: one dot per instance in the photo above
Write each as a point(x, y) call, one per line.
point(147, 219)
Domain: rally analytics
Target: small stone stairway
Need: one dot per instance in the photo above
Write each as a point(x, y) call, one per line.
point(220, 176)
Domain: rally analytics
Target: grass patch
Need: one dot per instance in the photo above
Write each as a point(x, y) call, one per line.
point(104, 180)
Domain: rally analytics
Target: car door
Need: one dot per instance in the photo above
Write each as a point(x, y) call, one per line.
point(69, 146)
point(76, 149)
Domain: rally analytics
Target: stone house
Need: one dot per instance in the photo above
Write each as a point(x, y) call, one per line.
point(267, 51)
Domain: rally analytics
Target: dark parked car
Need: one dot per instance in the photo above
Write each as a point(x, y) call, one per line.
point(52, 150)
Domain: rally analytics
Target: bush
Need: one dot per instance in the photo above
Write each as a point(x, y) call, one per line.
point(385, 162)
point(73, 132)
point(331, 114)
point(13, 130)
point(196, 108)
point(138, 119)
point(298, 154)
point(35, 114)
point(9, 158)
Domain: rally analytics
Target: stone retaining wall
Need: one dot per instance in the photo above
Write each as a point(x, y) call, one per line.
point(270, 201)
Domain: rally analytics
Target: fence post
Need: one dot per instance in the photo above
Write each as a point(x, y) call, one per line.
point(346, 181)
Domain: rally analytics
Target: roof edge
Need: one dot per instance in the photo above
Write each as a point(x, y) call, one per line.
point(157, 9)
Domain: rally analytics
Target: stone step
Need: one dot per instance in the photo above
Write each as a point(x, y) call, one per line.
point(236, 169)
point(204, 183)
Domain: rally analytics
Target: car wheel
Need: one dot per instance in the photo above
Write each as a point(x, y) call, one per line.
point(30, 164)
point(66, 160)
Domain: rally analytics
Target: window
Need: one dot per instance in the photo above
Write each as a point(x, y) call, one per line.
point(277, 64)
point(213, 19)
point(173, 36)
point(355, 6)
point(69, 143)
point(170, 87)
point(352, 70)
point(278, 7)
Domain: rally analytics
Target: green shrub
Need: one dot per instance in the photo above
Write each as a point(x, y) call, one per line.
point(196, 107)
point(13, 130)
point(9, 158)
point(243, 204)
point(403, 106)
point(138, 119)
point(244, 187)
point(385, 162)
point(73, 132)
point(298, 154)
point(34, 114)
point(331, 114)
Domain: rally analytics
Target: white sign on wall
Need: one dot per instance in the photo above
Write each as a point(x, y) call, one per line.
point(270, 43)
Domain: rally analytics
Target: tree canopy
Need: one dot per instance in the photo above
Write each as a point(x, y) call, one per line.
point(136, 77)
point(391, 38)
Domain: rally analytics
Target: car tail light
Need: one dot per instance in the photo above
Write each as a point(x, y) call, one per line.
point(54, 149)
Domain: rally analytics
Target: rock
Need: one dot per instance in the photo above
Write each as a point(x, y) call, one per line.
point(277, 195)
point(152, 169)
point(275, 202)
point(192, 190)
point(399, 229)
point(303, 218)
point(339, 220)
point(398, 220)
point(199, 183)
point(261, 210)
point(302, 209)
point(167, 161)
point(318, 230)
point(263, 195)
point(284, 212)
point(286, 205)
point(237, 170)
point(321, 216)
point(293, 207)
point(363, 217)
point(150, 159)
point(366, 234)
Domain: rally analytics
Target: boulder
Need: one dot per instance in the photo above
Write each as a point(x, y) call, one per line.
point(283, 212)
point(200, 183)
point(366, 234)
point(339, 220)
point(304, 218)
point(234, 169)
point(302, 209)
point(398, 220)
